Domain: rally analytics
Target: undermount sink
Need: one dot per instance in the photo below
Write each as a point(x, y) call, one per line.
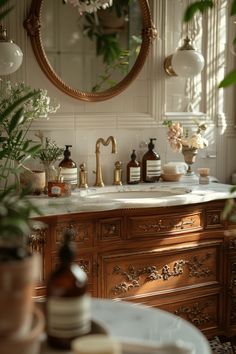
point(136, 194)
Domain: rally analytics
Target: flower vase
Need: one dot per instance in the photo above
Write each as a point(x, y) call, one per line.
point(50, 173)
point(190, 154)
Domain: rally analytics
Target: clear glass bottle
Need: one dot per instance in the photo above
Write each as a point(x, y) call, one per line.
point(69, 168)
point(133, 170)
point(68, 302)
point(51, 173)
point(151, 164)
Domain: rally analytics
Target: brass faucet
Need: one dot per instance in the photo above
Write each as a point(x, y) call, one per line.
point(99, 181)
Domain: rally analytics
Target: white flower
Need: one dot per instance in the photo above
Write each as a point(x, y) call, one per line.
point(178, 139)
point(89, 5)
point(36, 107)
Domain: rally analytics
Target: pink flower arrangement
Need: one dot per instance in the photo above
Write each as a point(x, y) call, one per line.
point(178, 137)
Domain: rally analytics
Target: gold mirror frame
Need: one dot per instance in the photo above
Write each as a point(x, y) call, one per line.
point(32, 24)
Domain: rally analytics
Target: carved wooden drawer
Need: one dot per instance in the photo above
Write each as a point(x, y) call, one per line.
point(213, 219)
point(110, 229)
point(83, 233)
point(144, 226)
point(162, 269)
point(202, 311)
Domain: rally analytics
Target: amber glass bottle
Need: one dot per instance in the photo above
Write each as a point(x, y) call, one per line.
point(69, 168)
point(151, 164)
point(68, 303)
point(133, 170)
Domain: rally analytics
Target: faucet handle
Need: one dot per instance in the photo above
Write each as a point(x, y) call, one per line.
point(117, 174)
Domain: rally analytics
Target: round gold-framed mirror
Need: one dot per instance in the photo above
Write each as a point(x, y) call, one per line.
point(70, 51)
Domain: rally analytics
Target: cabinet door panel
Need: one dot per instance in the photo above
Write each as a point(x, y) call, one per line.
point(83, 233)
point(110, 230)
point(137, 273)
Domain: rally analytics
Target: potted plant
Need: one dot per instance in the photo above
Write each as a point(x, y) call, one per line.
point(16, 148)
point(48, 155)
point(19, 106)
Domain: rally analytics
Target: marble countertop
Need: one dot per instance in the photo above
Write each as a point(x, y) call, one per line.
point(142, 325)
point(145, 195)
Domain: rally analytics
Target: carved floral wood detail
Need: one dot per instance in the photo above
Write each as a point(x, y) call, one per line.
point(80, 232)
point(84, 264)
point(132, 276)
point(196, 313)
point(167, 224)
point(36, 244)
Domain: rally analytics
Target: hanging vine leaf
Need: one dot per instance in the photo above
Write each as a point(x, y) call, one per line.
point(233, 8)
point(4, 12)
point(229, 79)
point(195, 7)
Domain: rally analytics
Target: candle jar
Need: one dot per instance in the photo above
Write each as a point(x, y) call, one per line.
point(58, 189)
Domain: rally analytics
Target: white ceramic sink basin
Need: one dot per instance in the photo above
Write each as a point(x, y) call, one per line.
point(137, 194)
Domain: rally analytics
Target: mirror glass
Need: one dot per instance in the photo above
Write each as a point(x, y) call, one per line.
point(92, 52)
point(93, 56)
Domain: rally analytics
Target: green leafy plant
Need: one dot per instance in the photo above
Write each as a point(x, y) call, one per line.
point(15, 212)
point(49, 151)
point(15, 207)
point(19, 107)
point(105, 79)
point(107, 42)
point(203, 6)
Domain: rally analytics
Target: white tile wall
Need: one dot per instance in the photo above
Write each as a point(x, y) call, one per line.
point(132, 117)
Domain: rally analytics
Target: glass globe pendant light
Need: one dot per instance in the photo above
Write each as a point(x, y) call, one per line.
point(11, 55)
point(186, 61)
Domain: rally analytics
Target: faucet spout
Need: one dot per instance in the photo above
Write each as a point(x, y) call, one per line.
point(99, 180)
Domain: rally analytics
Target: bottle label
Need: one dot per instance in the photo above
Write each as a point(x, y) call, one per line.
point(134, 174)
point(68, 317)
point(153, 168)
point(69, 175)
point(56, 190)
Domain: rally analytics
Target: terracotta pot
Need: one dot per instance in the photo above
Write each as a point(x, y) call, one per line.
point(16, 291)
point(35, 180)
point(30, 343)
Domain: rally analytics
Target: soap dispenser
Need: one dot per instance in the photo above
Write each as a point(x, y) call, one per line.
point(69, 168)
point(151, 164)
point(133, 170)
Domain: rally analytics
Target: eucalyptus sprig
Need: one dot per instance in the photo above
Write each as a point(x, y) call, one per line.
point(49, 151)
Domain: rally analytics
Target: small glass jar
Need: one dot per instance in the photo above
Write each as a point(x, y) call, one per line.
point(51, 172)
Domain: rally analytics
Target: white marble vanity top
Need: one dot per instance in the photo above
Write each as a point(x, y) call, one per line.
point(142, 325)
point(145, 195)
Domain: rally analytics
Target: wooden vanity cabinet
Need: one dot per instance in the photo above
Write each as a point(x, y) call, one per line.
point(177, 258)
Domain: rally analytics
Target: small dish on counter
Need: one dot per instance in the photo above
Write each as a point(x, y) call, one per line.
point(171, 177)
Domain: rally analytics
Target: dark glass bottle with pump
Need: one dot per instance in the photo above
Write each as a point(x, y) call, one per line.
point(133, 170)
point(68, 303)
point(151, 164)
point(69, 168)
